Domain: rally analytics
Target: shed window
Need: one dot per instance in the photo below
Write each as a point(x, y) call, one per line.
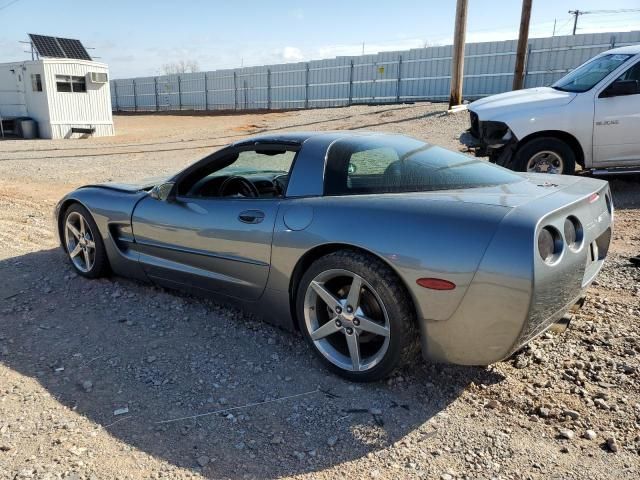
point(68, 83)
point(36, 82)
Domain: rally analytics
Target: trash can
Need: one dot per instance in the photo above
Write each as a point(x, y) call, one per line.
point(28, 128)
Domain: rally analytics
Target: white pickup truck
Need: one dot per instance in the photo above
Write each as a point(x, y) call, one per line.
point(590, 117)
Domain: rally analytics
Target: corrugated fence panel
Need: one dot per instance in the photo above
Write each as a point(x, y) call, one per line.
point(145, 93)
point(221, 90)
point(329, 82)
point(386, 77)
point(168, 93)
point(192, 91)
point(288, 84)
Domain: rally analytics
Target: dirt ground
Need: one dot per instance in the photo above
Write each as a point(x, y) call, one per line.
point(96, 377)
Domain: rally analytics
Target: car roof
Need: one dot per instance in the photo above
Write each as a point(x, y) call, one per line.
point(298, 138)
point(629, 49)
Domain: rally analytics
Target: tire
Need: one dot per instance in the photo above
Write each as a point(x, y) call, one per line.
point(79, 233)
point(549, 150)
point(383, 301)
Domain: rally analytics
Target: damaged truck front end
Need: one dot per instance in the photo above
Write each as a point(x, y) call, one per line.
point(492, 139)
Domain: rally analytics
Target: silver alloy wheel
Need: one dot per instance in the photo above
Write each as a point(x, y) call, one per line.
point(545, 161)
point(346, 320)
point(80, 242)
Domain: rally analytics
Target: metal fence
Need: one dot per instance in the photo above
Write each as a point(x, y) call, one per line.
point(387, 77)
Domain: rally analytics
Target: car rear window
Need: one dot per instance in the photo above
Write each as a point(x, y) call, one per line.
point(391, 164)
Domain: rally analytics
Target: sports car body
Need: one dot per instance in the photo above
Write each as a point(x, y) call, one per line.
point(372, 245)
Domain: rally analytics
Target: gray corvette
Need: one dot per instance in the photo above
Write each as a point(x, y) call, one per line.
point(374, 246)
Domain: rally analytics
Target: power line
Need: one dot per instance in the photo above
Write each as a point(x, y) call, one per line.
point(7, 5)
point(576, 13)
point(610, 12)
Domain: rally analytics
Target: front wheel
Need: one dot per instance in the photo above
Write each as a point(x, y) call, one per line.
point(83, 243)
point(356, 316)
point(545, 155)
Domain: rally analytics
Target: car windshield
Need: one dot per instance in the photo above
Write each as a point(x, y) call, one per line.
point(388, 164)
point(591, 73)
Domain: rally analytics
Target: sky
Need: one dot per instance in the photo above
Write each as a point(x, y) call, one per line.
point(137, 37)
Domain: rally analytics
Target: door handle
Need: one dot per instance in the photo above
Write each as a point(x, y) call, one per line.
point(251, 216)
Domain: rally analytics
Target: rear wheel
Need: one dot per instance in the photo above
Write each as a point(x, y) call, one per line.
point(356, 316)
point(83, 243)
point(545, 155)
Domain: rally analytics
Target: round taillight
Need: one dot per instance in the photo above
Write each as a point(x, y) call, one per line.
point(549, 244)
point(573, 233)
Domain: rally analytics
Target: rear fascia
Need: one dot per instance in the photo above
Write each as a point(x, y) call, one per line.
point(515, 295)
point(557, 286)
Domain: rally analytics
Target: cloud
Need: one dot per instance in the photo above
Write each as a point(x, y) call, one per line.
point(330, 51)
point(292, 54)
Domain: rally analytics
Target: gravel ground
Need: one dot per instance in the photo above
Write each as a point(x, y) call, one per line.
point(96, 377)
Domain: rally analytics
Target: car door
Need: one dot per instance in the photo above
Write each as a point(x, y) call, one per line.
point(212, 243)
point(616, 141)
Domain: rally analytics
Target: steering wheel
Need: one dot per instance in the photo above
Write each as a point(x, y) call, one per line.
point(244, 187)
point(280, 183)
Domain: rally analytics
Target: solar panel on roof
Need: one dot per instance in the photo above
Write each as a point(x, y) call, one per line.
point(57, 47)
point(73, 48)
point(47, 46)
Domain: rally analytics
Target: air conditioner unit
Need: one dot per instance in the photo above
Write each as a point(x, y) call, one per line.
point(97, 77)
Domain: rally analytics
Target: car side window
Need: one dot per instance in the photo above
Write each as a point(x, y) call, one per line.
point(260, 173)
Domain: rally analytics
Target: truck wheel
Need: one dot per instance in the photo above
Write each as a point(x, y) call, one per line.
point(545, 155)
point(356, 316)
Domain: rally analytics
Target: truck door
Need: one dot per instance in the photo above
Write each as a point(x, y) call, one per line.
point(616, 137)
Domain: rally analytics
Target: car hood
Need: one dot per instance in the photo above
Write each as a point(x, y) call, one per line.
point(527, 99)
point(134, 187)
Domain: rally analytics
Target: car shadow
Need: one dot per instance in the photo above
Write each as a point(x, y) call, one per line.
point(102, 346)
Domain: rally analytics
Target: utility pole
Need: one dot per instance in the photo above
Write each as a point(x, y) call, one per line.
point(576, 14)
point(457, 63)
point(523, 39)
point(554, 27)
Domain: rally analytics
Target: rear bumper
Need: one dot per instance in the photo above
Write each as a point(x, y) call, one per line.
point(515, 296)
point(485, 339)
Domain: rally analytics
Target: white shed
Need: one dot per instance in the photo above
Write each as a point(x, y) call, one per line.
point(66, 97)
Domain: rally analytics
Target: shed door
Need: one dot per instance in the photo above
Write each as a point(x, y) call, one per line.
point(20, 86)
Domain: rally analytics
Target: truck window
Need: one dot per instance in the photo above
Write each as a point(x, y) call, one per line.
point(586, 76)
point(632, 73)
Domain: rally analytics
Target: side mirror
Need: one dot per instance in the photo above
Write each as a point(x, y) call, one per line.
point(163, 192)
point(621, 87)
